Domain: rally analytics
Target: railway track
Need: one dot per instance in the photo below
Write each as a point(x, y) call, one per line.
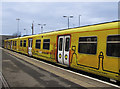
point(84, 80)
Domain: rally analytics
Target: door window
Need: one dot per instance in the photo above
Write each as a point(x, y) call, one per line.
point(60, 44)
point(67, 44)
point(30, 43)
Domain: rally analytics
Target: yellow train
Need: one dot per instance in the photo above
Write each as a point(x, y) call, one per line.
point(94, 48)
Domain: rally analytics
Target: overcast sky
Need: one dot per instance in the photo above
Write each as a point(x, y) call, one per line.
point(51, 14)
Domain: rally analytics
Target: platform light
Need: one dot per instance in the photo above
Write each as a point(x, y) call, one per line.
point(41, 26)
point(68, 19)
point(18, 27)
point(79, 19)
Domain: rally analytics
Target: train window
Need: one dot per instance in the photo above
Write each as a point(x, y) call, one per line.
point(113, 46)
point(46, 44)
point(67, 44)
point(21, 43)
point(60, 44)
point(15, 43)
point(87, 45)
point(24, 44)
point(38, 44)
point(12, 43)
point(9, 43)
point(29, 43)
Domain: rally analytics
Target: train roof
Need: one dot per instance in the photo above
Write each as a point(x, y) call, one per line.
point(88, 25)
point(92, 27)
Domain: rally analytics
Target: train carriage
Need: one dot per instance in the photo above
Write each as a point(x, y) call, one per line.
point(44, 47)
point(93, 48)
point(14, 44)
point(24, 44)
point(5, 44)
point(8, 44)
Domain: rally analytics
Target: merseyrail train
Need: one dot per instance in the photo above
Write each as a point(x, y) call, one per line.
point(93, 48)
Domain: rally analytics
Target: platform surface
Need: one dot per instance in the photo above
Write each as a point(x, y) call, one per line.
point(22, 71)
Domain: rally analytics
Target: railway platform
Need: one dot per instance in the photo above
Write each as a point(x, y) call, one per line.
point(21, 71)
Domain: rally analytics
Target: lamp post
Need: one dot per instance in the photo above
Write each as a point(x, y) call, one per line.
point(32, 27)
point(41, 26)
point(68, 17)
point(26, 31)
point(79, 19)
point(18, 26)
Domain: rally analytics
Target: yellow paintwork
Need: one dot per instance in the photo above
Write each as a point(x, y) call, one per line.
point(85, 62)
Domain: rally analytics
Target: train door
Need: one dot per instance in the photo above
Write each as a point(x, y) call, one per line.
point(7, 44)
point(63, 49)
point(11, 45)
point(30, 47)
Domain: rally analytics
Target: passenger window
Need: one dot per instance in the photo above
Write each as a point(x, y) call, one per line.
point(113, 46)
point(38, 44)
point(60, 44)
point(21, 43)
point(87, 45)
point(46, 44)
point(24, 43)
